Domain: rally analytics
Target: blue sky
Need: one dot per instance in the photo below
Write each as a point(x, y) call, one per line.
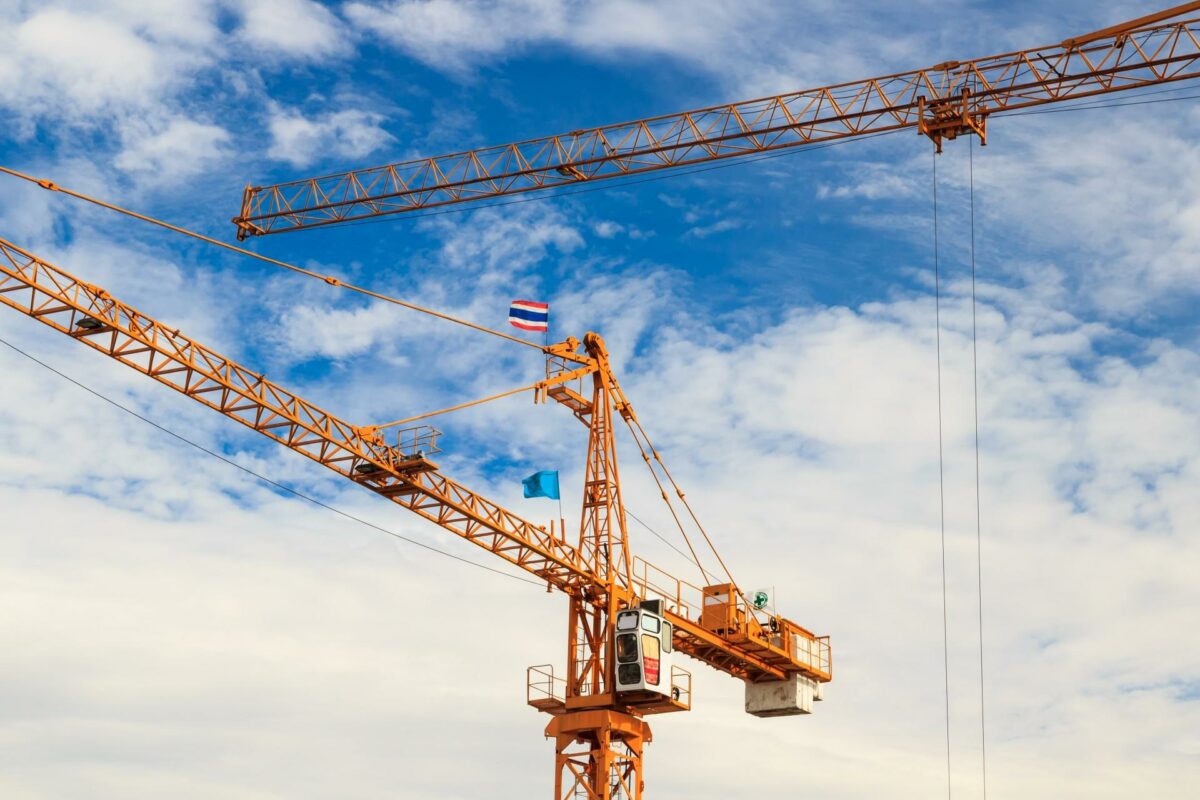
point(182, 630)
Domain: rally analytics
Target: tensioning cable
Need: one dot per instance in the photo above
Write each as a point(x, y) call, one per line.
point(329, 279)
point(281, 486)
point(670, 507)
point(679, 492)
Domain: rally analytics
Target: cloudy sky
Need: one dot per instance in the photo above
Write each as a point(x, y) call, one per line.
point(175, 628)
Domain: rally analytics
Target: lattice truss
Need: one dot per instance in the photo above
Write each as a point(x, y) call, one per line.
point(93, 317)
point(970, 89)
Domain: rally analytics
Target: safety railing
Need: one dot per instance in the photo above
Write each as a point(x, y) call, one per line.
point(814, 652)
point(418, 441)
point(681, 686)
point(542, 687)
point(557, 365)
point(679, 596)
point(687, 600)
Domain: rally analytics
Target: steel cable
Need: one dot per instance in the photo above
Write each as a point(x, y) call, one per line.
point(329, 279)
point(259, 476)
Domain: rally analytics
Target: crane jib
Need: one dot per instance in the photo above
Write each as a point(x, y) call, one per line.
point(95, 318)
point(941, 102)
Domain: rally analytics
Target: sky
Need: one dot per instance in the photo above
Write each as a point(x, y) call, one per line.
point(175, 627)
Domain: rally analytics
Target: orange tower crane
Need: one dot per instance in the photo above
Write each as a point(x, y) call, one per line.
point(941, 102)
point(626, 617)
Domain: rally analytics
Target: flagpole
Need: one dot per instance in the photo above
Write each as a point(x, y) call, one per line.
point(562, 520)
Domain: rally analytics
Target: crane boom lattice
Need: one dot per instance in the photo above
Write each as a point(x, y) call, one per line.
point(941, 102)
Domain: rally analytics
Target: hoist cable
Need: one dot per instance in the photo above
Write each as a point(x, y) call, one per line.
point(259, 476)
point(329, 279)
point(1093, 106)
point(683, 499)
point(937, 311)
point(662, 490)
point(978, 502)
point(657, 535)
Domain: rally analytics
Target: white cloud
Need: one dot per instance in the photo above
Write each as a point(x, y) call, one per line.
point(300, 29)
point(86, 63)
point(481, 262)
point(162, 604)
point(64, 60)
point(1135, 252)
point(720, 226)
point(873, 181)
point(182, 149)
point(326, 331)
point(607, 229)
point(82, 62)
point(451, 34)
point(501, 245)
point(348, 133)
point(810, 449)
point(749, 44)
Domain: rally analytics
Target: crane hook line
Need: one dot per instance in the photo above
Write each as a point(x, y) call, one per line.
point(978, 511)
point(937, 306)
point(329, 279)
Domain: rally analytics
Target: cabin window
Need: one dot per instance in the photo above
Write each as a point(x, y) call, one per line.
point(650, 623)
point(627, 621)
point(668, 634)
point(650, 658)
point(627, 647)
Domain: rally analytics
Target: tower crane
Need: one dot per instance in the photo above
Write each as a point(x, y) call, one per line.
point(941, 102)
point(627, 618)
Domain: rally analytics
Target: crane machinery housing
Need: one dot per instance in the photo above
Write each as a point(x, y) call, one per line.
point(627, 619)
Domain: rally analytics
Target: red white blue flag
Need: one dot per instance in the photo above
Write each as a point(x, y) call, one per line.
point(529, 316)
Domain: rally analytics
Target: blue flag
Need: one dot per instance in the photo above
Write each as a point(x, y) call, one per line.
point(542, 484)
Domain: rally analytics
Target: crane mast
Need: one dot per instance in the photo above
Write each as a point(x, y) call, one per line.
point(599, 732)
point(941, 102)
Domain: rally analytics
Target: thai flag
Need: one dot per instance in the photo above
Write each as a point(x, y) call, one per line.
point(529, 316)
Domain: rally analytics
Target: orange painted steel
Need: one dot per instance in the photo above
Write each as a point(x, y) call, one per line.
point(92, 316)
point(1133, 24)
point(603, 546)
point(598, 754)
point(95, 318)
point(941, 102)
point(599, 738)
